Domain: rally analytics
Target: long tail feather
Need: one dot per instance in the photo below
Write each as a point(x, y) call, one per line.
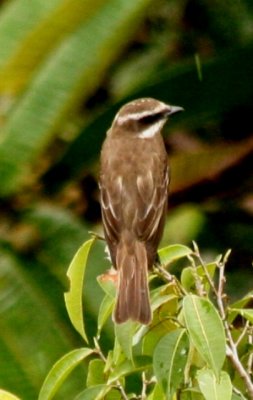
point(133, 293)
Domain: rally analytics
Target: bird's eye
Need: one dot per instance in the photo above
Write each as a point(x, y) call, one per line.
point(150, 119)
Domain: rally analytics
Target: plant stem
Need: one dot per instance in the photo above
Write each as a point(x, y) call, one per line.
point(169, 278)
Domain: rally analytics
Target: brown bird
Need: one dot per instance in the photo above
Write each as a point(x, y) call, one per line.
point(134, 180)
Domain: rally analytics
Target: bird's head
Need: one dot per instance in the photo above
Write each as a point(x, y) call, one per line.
point(143, 118)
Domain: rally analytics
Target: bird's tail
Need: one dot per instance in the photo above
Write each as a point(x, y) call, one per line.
point(133, 293)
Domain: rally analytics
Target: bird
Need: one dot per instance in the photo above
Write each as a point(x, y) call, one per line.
point(133, 183)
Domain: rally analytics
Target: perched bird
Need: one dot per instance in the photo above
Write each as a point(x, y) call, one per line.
point(134, 180)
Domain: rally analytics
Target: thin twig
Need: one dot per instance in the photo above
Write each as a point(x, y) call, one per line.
point(220, 291)
point(197, 280)
point(250, 360)
point(163, 273)
point(238, 392)
point(145, 383)
point(203, 265)
point(244, 331)
point(144, 386)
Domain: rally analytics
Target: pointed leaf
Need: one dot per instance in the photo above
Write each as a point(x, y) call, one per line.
point(206, 331)
point(170, 357)
point(174, 252)
point(213, 389)
point(60, 371)
point(74, 298)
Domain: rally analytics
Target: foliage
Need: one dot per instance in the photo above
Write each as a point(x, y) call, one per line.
point(65, 68)
point(189, 351)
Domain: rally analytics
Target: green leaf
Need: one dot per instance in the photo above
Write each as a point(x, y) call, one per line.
point(206, 331)
point(94, 393)
point(39, 28)
point(105, 311)
point(188, 276)
point(170, 357)
point(141, 363)
point(73, 298)
point(60, 371)
point(7, 395)
point(71, 73)
point(124, 334)
point(95, 373)
point(213, 389)
point(159, 301)
point(18, 19)
point(174, 252)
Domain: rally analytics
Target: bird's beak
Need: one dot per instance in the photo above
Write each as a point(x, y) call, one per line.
point(174, 110)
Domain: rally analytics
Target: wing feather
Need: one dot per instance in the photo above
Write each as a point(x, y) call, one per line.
point(110, 198)
point(152, 205)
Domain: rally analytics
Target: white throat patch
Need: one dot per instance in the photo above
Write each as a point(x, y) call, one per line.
point(151, 131)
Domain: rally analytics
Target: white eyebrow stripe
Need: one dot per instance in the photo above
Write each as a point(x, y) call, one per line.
point(151, 131)
point(138, 115)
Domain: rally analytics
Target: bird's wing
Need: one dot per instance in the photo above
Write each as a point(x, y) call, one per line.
point(136, 203)
point(152, 202)
point(110, 198)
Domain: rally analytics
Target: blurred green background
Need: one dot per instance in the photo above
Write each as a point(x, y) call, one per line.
point(66, 66)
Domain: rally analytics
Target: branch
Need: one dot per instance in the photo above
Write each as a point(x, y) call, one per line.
point(250, 360)
point(168, 277)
